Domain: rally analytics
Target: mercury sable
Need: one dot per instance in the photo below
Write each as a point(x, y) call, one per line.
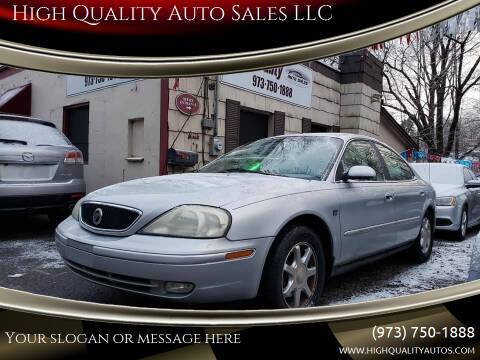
point(272, 218)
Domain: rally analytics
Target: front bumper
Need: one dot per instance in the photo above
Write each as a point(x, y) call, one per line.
point(144, 263)
point(448, 217)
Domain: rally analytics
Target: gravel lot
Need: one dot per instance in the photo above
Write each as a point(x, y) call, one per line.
point(30, 262)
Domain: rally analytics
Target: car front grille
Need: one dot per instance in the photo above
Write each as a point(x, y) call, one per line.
point(108, 216)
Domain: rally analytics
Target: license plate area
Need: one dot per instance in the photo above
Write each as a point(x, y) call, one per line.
point(27, 172)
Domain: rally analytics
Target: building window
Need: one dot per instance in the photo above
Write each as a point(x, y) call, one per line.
point(135, 139)
point(253, 126)
point(75, 126)
point(319, 128)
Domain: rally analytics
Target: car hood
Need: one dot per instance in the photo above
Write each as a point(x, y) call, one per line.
point(230, 190)
point(448, 189)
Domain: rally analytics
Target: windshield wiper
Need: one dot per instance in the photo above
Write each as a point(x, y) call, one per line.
point(13, 141)
point(245, 170)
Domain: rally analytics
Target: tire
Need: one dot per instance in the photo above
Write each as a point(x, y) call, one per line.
point(298, 286)
point(422, 247)
point(462, 230)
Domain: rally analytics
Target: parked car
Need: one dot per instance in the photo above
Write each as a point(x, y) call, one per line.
point(458, 195)
point(40, 170)
point(275, 217)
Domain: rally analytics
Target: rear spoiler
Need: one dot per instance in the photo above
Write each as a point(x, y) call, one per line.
point(5, 116)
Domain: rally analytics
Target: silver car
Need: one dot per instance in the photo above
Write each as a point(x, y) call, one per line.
point(273, 218)
point(458, 196)
point(40, 170)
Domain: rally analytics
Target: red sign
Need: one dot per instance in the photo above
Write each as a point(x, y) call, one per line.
point(187, 104)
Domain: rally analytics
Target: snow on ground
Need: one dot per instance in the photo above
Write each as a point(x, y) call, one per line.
point(30, 247)
point(34, 254)
point(396, 276)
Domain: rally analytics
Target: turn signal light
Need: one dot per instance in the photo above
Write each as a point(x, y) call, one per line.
point(74, 157)
point(239, 254)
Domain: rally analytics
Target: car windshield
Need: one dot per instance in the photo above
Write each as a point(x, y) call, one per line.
point(305, 157)
point(446, 175)
point(30, 133)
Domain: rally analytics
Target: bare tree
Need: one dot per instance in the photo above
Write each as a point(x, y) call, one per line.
point(428, 81)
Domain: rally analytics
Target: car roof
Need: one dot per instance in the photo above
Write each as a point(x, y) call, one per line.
point(451, 165)
point(344, 136)
point(26, 118)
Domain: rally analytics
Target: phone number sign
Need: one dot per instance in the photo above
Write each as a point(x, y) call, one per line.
point(83, 84)
point(292, 84)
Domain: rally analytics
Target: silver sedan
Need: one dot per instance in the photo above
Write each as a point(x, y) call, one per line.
point(273, 218)
point(458, 196)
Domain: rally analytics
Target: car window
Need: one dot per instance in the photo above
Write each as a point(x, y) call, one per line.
point(360, 153)
point(396, 166)
point(467, 175)
point(446, 174)
point(307, 157)
point(423, 170)
point(31, 133)
point(472, 174)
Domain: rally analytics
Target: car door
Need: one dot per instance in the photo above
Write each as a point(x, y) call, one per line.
point(366, 207)
point(473, 196)
point(408, 196)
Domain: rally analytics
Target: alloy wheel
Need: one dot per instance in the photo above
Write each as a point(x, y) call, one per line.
point(299, 275)
point(464, 223)
point(425, 235)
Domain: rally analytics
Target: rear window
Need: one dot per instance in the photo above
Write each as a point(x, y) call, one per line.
point(452, 175)
point(422, 171)
point(31, 133)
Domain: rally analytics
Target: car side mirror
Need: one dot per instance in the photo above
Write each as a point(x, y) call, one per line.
point(360, 173)
point(472, 183)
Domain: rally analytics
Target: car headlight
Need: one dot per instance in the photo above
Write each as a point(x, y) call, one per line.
point(445, 201)
point(75, 210)
point(191, 221)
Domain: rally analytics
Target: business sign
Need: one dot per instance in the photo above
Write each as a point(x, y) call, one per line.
point(292, 84)
point(82, 84)
point(187, 104)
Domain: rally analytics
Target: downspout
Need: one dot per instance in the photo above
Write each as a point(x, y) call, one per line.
point(217, 84)
point(163, 136)
point(206, 103)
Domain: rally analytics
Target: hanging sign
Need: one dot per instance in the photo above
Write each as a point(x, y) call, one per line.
point(187, 104)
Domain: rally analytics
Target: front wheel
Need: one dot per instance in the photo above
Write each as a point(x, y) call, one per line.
point(422, 247)
point(462, 230)
point(295, 273)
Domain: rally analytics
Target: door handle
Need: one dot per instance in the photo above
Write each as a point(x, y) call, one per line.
point(422, 193)
point(389, 196)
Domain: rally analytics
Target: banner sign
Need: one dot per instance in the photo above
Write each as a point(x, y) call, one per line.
point(82, 84)
point(413, 155)
point(292, 84)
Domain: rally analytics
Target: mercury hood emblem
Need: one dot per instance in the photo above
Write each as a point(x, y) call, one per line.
point(97, 216)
